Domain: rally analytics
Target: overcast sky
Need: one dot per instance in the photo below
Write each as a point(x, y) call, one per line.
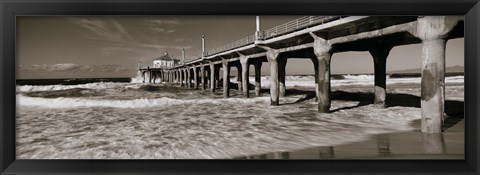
point(111, 46)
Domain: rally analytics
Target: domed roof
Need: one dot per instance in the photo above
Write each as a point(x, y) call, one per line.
point(165, 57)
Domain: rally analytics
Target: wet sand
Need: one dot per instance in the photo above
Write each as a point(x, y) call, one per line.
point(398, 145)
point(402, 145)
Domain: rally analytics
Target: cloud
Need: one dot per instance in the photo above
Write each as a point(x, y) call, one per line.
point(115, 35)
point(104, 29)
point(182, 40)
point(162, 22)
point(71, 67)
point(161, 25)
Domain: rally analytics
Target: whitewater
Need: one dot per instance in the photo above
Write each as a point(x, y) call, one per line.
point(111, 120)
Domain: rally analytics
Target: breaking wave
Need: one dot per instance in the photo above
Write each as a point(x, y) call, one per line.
point(102, 85)
point(134, 103)
point(292, 81)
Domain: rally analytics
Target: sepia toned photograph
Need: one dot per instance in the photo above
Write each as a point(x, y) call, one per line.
point(240, 87)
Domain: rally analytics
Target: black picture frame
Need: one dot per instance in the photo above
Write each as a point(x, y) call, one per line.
point(10, 9)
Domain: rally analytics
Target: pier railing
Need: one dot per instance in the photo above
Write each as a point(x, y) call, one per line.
point(236, 44)
point(297, 24)
point(291, 26)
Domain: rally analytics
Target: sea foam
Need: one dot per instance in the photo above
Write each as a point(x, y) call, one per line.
point(134, 103)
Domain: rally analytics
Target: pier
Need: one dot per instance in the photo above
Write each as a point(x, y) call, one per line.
point(317, 38)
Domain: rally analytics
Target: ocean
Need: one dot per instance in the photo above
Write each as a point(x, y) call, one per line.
point(123, 118)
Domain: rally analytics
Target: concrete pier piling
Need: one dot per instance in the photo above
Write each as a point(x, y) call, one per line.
point(149, 77)
point(202, 77)
point(323, 50)
point(162, 78)
point(207, 76)
point(315, 67)
point(245, 75)
point(212, 77)
point(177, 76)
point(272, 57)
point(380, 53)
point(239, 78)
point(281, 76)
point(258, 76)
point(185, 72)
point(226, 78)
point(432, 30)
point(189, 78)
point(169, 77)
point(433, 85)
point(154, 77)
point(166, 76)
point(174, 76)
point(180, 72)
point(195, 77)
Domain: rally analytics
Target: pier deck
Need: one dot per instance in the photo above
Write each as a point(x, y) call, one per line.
point(317, 38)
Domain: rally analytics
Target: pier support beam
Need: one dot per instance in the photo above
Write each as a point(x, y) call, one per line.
point(162, 76)
point(202, 76)
point(180, 73)
point(323, 51)
point(433, 30)
point(168, 76)
point(226, 78)
point(207, 76)
point(245, 76)
point(189, 78)
point(281, 76)
point(154, 77)
point(380, 52)
point(195, 77)
point(274, 85)
point(184, 77)
point(239, 78)
point(273, 57)
point(433, 85)
point(165, 76)
point(212, 77)
point(315, 67)
point(177, 76)
point(149, 76)
point(217, 77)
point(258, 76)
